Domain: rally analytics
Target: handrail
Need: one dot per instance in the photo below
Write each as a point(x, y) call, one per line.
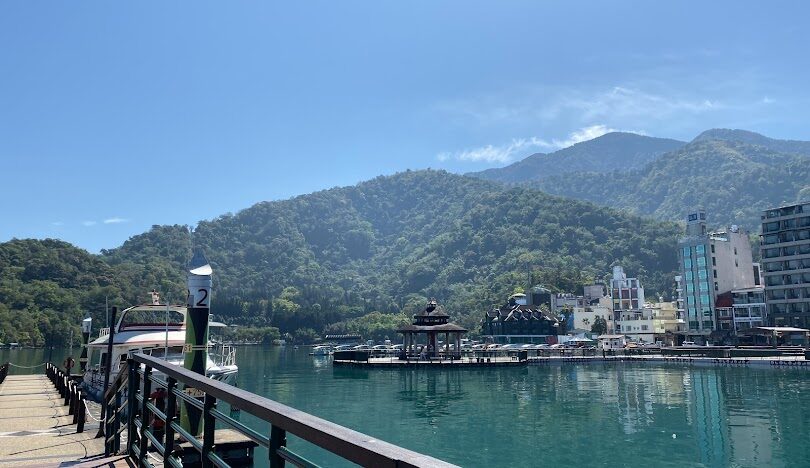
point(120, 378)
point(344, 442)
point(3, 372)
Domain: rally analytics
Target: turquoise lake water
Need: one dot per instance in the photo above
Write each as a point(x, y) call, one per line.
point(612, 414)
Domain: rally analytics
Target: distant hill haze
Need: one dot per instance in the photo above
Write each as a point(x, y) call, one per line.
point(614, 151)
point(733, 174)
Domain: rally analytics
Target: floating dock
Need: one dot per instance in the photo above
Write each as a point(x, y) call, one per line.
point(462, 362)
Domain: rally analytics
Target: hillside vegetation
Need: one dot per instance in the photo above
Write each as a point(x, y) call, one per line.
point(359, 258)
point(733, 181)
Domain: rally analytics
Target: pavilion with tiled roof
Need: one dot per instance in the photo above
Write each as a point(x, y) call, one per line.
point(432, 322)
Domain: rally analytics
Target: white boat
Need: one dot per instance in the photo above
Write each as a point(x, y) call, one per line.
point(158, 330)
point(321, 350)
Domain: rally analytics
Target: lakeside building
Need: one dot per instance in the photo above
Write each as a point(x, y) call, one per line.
point(627, 296)
point(656, 322)
point(583, 317)
point(785, 247)
point(741, 309)
point(564, 303)
point(518, 322)
point(710, 264)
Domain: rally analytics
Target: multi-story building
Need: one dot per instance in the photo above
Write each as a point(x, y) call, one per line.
point(656, 322)
point(711, 263)
point(785, 247)
point(585, 316)
point(626, 294)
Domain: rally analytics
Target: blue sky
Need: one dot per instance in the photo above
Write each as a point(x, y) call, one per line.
point(117, 116)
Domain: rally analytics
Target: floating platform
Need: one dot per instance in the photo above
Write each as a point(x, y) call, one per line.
point(793, 362)
point(395, 361)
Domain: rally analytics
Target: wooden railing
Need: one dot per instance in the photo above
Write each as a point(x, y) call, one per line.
point(129, 408)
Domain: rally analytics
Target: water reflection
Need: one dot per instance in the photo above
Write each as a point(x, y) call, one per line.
point(431, 391)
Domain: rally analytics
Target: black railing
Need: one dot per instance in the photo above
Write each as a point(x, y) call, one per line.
point(3, 372)
point(71, 391)
point(128, 400)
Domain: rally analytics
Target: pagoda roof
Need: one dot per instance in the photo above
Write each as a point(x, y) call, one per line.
point(444, 327)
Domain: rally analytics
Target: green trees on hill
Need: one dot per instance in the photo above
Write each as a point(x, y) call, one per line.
point(361, 258)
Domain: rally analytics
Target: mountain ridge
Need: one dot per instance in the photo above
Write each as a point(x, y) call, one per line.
point(601, 154)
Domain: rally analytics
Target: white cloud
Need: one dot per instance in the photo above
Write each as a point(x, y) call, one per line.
point(767, 100)
point(496, 154)
point(620, 105)
point(57, 223)
point(89, 223)
point(584, 134)
point(519, 147)
point(115, 220)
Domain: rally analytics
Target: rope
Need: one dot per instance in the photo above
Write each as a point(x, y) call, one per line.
point(90, 413)
point(26, 367)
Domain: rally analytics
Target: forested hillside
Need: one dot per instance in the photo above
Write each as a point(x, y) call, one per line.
point(733, 181)
point(387, 244)
point(359, 258)
point(607, 153)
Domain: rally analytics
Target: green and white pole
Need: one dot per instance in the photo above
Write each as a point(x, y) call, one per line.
point(195, 350)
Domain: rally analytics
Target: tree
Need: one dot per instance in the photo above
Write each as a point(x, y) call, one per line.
point(599, 326)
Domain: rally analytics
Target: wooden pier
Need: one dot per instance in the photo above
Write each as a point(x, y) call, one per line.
point(36, 427)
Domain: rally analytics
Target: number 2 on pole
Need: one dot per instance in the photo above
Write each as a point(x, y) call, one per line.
point(201, 302)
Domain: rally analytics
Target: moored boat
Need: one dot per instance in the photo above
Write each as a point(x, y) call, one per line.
point(158, 330)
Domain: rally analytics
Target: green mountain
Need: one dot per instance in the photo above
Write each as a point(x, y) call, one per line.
point(607, 153)
point(364, 256)
point(732, 180)
point(752, 138)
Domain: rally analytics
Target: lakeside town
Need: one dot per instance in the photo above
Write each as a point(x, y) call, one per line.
point(722, 297)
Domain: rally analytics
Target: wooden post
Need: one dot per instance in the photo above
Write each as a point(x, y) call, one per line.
point(133, 385)
point(209, 426)
point(278, 439)
point(108, 364)
point(171, 413)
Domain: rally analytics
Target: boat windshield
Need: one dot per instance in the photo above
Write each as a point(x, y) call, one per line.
point(152, 317)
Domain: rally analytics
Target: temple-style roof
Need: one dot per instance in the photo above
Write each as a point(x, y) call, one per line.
point(445, 327)
point(432, 318)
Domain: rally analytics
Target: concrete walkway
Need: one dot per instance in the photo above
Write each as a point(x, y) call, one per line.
point(35, 428)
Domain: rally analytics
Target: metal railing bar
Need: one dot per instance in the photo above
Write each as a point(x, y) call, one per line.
point(344, 442)
point(255, 436)
point(186, 436)
point(217, 460)
point(295, 459)
point(155, 411)
point(188, 399)
point(158, 446)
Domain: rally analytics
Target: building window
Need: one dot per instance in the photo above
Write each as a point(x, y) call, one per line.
point(714, 261)
point(715, 286)
point(687, 263)
point(689, 275)
point(701, 261)
point(715, 273)
point(735, 250)
point(686, 252)
point(700, 249)
point(702, 274)
point(704, 299)
point(712, 248)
